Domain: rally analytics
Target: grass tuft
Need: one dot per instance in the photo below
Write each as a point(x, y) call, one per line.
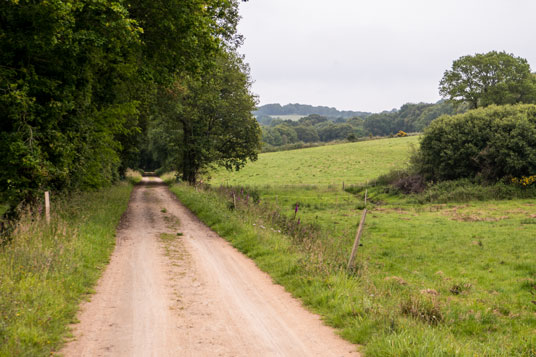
point(169, 177)
point(134, 177)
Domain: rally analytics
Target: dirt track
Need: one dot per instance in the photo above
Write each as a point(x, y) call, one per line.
point(190, 295)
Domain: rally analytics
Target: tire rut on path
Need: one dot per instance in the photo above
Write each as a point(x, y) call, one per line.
point(190, 295)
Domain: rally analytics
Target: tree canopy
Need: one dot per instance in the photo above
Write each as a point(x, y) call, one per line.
point(489, 78)
point(87, 86)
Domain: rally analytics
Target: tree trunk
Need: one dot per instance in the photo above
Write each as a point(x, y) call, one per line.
point(189, 167)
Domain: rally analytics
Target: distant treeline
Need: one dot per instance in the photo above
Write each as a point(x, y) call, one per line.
point(304, 109)
point(320, 128)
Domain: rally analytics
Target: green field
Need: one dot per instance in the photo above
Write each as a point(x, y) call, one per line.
point(325, 165)
point(431, 279)
point(294, 117)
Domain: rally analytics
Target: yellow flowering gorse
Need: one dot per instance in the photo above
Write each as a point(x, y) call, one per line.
point(524, 180)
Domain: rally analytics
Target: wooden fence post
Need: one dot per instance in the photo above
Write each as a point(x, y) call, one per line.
point(366, 193)
point(357, 239)
point(47, 207)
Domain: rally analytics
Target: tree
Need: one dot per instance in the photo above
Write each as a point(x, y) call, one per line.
point(312, 119)
point(287, 133)
point(212, 116)
point(63, 99)
point(490, 78)
point(307, 134)
point(81, 83)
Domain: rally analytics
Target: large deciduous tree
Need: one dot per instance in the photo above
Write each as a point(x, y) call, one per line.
point(490, 78)
point(211, 116)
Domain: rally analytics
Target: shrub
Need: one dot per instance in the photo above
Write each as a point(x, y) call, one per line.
point(487, 143)
point(410, 183)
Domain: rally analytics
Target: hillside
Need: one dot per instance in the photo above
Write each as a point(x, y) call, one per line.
point(304, 110)
point(325, 165)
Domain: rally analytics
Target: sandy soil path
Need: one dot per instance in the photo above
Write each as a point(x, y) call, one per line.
point(190, 295)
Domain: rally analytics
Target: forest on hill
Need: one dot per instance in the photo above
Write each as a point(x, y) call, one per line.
point(315, 127)
point(305, 109)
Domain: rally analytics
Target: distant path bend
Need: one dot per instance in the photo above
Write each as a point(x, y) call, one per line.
point(190, 295)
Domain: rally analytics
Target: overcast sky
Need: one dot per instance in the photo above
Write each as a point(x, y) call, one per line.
point(374, 55)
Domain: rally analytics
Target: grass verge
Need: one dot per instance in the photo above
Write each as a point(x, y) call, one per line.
point(431, 279)
point(48, 269)
point(133, 176)
point(169, 177)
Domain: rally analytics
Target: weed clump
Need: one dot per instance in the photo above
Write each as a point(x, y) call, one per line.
point(425, 309)
point(169, 178)
point(132, 176)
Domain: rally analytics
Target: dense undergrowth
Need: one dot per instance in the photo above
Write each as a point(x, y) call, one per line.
point(400, 183)
point(431, 279)
point(46, 270)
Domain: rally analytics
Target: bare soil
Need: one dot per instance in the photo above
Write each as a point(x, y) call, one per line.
point(193, 294)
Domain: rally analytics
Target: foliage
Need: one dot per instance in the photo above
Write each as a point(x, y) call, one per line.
point(463, 190)
point(409, 118)
point(62, 99)
point(48, 270)
point(81, 83)
point(486, 143)
point(278, 132)
point(490, 78)
point(524, 180)
point(210, 116)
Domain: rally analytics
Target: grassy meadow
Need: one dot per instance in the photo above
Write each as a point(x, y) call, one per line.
point(322, 166)
point(46, 270)
point(431, 279)
point(294, 117)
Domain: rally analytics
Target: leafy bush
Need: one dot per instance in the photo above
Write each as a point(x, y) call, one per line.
point(486, 144)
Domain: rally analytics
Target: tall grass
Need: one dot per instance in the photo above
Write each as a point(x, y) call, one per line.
point(169, 177)
point(46, 270)
point(133, 176)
